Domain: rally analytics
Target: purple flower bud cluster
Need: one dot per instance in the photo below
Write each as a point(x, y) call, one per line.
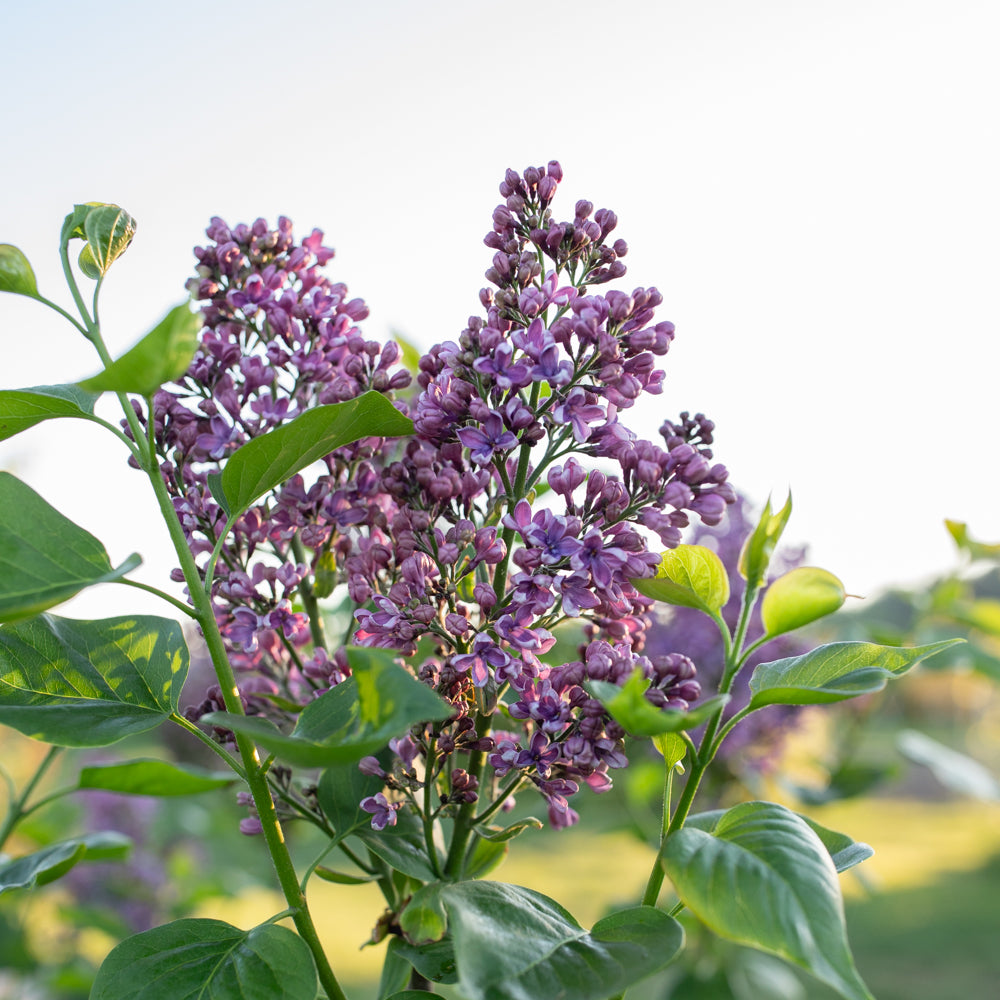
point(472, 541)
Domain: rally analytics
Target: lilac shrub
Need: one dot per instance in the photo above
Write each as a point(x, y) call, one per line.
point(463, 518)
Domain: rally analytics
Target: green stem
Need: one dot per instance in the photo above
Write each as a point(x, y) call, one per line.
point(17, 810)
point(316, 627)
point(180, 605)
point(466, 817)
point(62, 312)
point(219, 751)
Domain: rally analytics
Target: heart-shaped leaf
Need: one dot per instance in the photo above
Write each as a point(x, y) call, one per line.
point(834, 672)
point(763, 878)
point(801, 596)
point(356, 718)
point(108, 231)
point(163, 355)
point(268, 460)
point(153, 777)
point(198, 959)
point(639, 717)
point(16, 274)
point(514, 944)
point(44, 557)
point(53, 861)
point(23, 408)
point(90, 683)
point(691, 576)
point(424, 920)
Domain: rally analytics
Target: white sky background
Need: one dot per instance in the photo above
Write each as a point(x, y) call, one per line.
point(811, 185)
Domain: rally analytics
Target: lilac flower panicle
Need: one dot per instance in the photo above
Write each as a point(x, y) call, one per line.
point(444, 541)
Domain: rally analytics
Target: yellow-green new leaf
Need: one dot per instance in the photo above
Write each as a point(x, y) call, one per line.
point(801, 596)
point(691, 576)
point(759, 547)
point(16, 274)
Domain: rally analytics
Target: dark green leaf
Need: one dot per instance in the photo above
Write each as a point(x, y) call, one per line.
point(163, 355)
point(834, 672)
point(844, 852)
point(759, 547)
point(763, 878)
point(691, 576)
point(639, 717)
point(424, 920)
point(153, 777)
point(268, 460)
point(340, 790)
point(16, 274)
point(395, 973)
point(44, 557)
point(515, 944)
point(356, 718)
point(23, 408)
point(403, 846)
point(88, 684)
point(52, 862)
point(108, 230)
point(416, 995)
point(435, 962)
point(486, 856)
point(208, 960)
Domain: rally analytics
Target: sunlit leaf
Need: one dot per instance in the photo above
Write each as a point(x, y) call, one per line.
point(691, 576)
point(16, 274)
point(800, 596)
point(53, 861)
point(834, 672)
point(90, 683)
point(756, 554)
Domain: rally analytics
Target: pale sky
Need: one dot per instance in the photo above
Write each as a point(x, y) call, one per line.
point(811, 185)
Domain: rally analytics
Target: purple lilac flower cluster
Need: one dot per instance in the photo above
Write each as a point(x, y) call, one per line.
point(755, 744)
point(467, 545)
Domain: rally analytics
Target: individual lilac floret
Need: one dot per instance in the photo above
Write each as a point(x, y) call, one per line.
point(383, 812)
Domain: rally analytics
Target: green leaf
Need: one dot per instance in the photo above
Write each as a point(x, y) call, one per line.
point(343, 878)
point(630, 709)
point(756, 554)
point(486, 856)
point(844, 852)
point(199, 959)
point(90, 683)
point(108, 230)
point(356, 718)
point(44, 557)
point(671, 748)
point(763, 878)
point(500, 835)
point(802, 595)
point(340, 790)
point(23, 408)
point(515, 944)
point(424, 920)
point(834, 672)
point(268, 460)
point(435, 962)
point(403, 846)
point(52, 862)
point(977, 550)
point(16, 274)
point(691, 576)
point(956, 771)
point(163, 355)
point(153, 777)
point(416, 995)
